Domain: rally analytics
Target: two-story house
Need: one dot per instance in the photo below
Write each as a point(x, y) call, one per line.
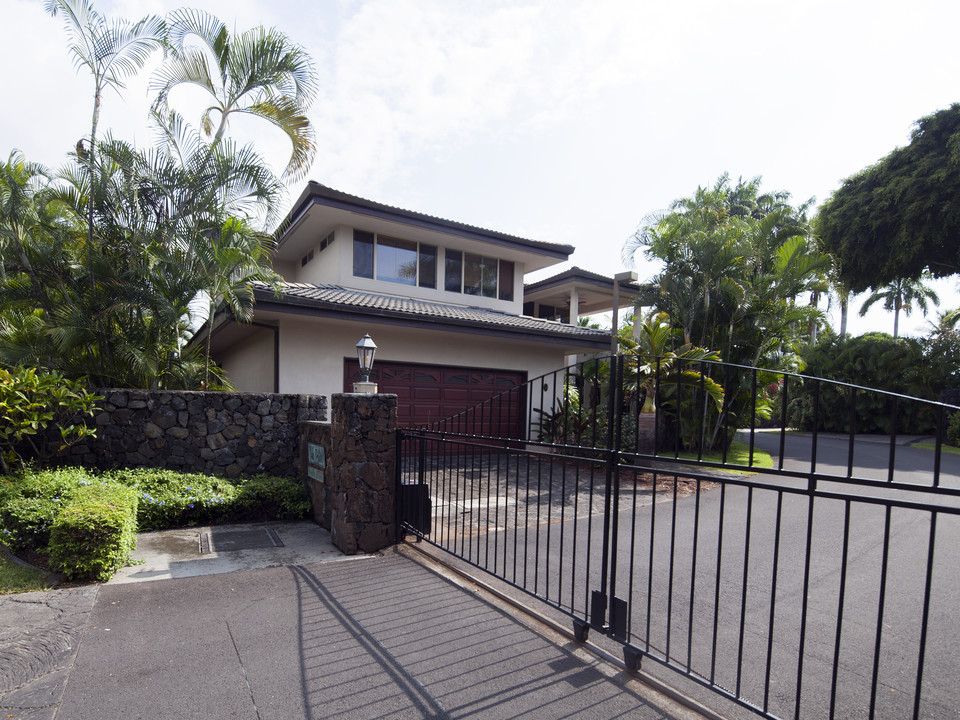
point(443, 301)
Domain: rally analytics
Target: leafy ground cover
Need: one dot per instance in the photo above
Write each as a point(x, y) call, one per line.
point(32, 501)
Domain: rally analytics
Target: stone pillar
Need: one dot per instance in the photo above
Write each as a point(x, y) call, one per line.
point(315, 442)
point(360, 472)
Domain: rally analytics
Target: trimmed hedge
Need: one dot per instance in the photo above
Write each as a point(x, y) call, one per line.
point(95, 532)
point(29, 503)
point(34, 502)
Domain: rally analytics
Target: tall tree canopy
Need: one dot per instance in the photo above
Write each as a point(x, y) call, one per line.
point(736, 263)
point(900, 217)
point(735, 260)
point(101, 262)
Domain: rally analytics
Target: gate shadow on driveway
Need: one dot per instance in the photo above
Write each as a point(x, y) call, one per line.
point(390, 638)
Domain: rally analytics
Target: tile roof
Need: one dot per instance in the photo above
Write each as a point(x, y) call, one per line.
point(334, 298)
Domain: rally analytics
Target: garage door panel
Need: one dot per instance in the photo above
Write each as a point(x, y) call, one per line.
point(429, 393)
point(423, 394)
point(456, 394)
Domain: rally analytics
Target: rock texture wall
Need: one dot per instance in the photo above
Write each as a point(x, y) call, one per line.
point(315, 442)
point(357, 496)
point(220, 433)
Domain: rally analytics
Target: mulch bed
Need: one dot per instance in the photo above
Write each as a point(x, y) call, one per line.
point(665, 480)
point(665, 483)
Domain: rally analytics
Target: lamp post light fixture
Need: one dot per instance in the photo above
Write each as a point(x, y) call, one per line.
point(366, 349)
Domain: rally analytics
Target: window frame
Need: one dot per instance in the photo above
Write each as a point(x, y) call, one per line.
point(374, 241)
point(495, 276)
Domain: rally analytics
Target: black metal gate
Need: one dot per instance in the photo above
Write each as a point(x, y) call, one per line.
point(824, 585)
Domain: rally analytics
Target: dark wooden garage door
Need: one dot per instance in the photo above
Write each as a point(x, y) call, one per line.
point(427, 393)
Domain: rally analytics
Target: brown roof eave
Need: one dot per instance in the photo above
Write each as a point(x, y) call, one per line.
point(321, 194)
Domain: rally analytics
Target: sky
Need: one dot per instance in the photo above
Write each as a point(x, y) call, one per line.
point(565, 121)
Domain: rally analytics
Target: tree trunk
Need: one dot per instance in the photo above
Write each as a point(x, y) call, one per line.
point(812, 325)
point(91, 169)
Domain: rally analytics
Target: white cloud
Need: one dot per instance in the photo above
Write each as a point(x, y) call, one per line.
point(561, 120)
point(446, 72)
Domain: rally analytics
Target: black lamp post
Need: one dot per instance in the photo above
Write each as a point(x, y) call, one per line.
point(366, 349)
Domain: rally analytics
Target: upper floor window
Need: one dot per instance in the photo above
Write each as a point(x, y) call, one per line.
point(394, 260)
point(474, 274)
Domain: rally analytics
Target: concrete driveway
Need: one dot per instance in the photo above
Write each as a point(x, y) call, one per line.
point(364, 637)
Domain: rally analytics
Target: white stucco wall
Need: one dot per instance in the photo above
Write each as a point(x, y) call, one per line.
point(326, 267)
point(334, 266)
point(312, 352)
point(249, 364)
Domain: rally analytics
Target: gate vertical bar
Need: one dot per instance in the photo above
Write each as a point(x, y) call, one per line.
point(398, 485)
point(618, 608)
point(599, 599)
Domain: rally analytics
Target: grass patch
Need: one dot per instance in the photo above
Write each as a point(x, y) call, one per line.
point(933, 446)
point(15, 578)
point(737, 454)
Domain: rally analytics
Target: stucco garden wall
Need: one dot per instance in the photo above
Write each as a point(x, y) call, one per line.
point(219, 433)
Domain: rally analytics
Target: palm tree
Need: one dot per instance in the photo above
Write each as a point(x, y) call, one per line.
point(899, 295)
point(22, 184)
point(735, 259)
point(258, 72)
point(653, 366)
point(946, 322)
point(101, 262)
point(652, 361)
point(234, 259)
point(112, 52)
point(187, 203)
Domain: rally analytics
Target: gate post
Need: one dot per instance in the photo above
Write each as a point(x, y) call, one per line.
point(361, 472)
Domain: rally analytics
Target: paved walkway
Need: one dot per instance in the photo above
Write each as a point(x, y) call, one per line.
point(365, 637)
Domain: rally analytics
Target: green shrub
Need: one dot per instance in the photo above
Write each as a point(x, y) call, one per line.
point(169, 499)
point(872, 360)
point(265, 497)
point(941, 352)
point(953, 429)
point(32, 401)
point(175, 499)
point(95, 532)
point(30, 501)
